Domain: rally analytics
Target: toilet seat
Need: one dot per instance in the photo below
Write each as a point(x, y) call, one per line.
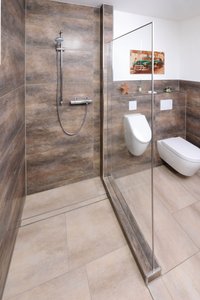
point(182, 148)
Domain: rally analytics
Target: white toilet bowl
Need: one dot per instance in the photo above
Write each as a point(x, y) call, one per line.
point(180, 154)
point(137, 133)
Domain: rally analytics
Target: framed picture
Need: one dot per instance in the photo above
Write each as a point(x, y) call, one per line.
point(141, 62)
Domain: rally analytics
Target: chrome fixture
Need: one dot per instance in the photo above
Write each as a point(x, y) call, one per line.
point(79, 101)
point(59, 95)
point(59, 40)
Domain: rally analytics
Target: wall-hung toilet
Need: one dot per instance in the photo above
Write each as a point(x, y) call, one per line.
point(180, 154)
point(137, 133)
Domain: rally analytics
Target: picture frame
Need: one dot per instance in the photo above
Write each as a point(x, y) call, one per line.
point(141, 62)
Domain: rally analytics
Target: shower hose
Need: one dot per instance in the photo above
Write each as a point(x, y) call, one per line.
point(59, 98)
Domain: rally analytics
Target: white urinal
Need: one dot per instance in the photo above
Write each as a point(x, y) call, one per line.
point(137, 133)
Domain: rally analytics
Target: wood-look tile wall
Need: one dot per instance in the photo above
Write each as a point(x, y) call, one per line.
point(169, 123)
point(192, 90)
point(166, 123)
point(54, 159)
point(106, 85)
point(12, 128)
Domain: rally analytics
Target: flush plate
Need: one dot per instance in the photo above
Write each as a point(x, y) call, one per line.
point(132, 105)
point(166, 104)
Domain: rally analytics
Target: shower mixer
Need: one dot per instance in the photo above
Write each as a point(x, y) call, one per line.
point(79, 101)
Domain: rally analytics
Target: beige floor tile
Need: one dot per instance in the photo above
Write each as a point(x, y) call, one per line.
point(172, 244)
point(46, 201)
point(189, 219)
point(62, 210)
point(71, 286)
point(168, 188)
point(116, 277)
point(40, 254)
point(139, 202)
point(192, 184)
point(133, 180)
point(183, 282)
point(159, 291)
point(92, 231)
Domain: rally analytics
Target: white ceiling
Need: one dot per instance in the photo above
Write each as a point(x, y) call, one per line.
point(167, 9)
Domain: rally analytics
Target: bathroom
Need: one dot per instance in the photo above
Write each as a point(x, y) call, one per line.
point(82, 217)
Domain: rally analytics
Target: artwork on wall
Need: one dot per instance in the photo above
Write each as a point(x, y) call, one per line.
point(140, 62)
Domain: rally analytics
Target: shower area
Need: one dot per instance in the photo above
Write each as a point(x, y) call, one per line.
point(62, 79)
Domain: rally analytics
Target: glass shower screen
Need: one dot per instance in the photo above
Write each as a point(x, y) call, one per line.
point(128, 140)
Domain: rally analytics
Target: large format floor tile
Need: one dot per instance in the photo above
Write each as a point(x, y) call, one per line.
point(183, 282)
point(92, 232)
point(133, 180)
point(168, 188)
point(172, 244)
point(40, 254)
point(116, 277)
point(57, 198)
point(158, 290)
point(189, 219)
point(191, 184)
point(72, 286)
point(82, 254)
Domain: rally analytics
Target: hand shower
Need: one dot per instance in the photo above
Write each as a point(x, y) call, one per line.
point(59, 40)
point(59, 96)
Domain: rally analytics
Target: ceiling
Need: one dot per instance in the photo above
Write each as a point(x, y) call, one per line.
point(167, 9)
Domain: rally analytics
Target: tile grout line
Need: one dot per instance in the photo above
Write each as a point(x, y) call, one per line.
point(13, 90)
point(88, 281)
point(182, 186)
point(97, 258)
point(32, 288)
point(172, 298)
point(175, 220)
point(179, 210)
point(194, 242)
point(187, 188)
point(181, 263)
point(173, 214)
point(67, 246)
point(65, 273)
point(168, 290)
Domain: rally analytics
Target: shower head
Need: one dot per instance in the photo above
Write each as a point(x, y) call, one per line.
point(59, 39)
